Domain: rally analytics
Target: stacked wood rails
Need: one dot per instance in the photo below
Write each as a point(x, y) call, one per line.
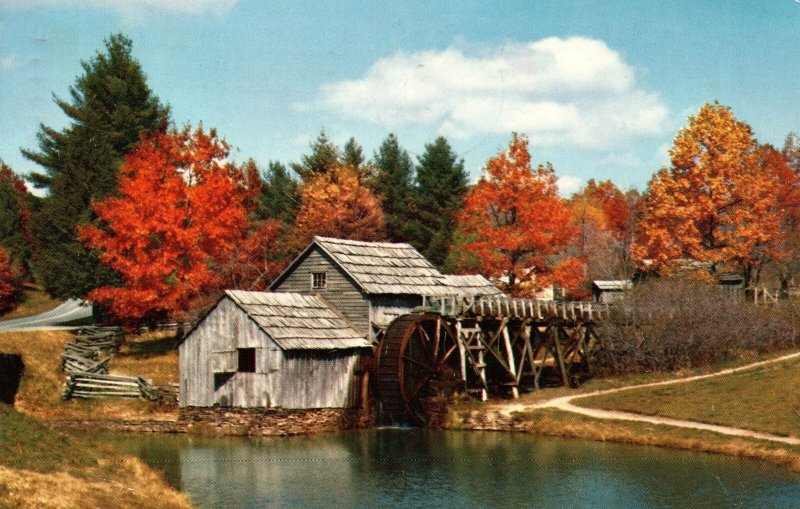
point(93, 385)
point(91, 350)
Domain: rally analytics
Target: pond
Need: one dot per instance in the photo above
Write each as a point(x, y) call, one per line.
point(424, 468)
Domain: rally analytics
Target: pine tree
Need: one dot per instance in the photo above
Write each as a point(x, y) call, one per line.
point(279, 196)
point(439, 194)
point(394, 172)
point(324, 156)
point(353, 154)
point(109, 106)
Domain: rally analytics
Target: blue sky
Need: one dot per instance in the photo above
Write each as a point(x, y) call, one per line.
point(600, 87)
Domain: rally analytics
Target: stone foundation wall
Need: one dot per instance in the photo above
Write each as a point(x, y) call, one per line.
point(271, 421)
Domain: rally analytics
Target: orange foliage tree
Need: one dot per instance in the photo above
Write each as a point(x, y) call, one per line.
point(180, 211)
point(9, 284)
point(602, 215)
point(337, 204)
point(719, 200)
point(516, 225)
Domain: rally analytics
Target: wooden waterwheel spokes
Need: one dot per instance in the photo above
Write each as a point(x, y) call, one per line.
point(417, 361)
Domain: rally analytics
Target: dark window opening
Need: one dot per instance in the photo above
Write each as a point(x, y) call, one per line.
point(247, 360)
point(221, 379)
point(318, 280)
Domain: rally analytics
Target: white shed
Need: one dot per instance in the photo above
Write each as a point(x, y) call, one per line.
point(260, 349)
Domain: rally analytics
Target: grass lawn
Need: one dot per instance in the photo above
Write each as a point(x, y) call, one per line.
point(152, 355)
point(43, 381)
point(763, 399)
point(34, 301)
point(42, 467)
point(597, 384)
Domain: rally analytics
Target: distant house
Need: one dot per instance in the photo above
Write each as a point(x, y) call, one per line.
point(372, 283)
point(610, 291)
point(258, 349)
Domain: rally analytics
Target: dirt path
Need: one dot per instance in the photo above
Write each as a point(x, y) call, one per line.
point(565, 403)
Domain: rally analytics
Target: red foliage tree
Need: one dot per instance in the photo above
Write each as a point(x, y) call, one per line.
point(517, 226)
point(258, 259)
point(181, 210)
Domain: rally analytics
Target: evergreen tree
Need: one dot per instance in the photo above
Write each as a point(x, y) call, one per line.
point(279, 195)
point(394, 173)
point(324, 156)
point(16, 207)
point(353, 154)
point(439, 193)
point(110, 105)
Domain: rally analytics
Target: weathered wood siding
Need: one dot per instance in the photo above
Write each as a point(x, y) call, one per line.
point(385, 308)
point(319, 379)
point(340, 290)
point(212, 349)
point(293, 379)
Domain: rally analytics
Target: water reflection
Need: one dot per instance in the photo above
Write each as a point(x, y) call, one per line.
point(420, 468)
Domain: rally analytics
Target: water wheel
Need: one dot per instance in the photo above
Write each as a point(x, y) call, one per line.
point(417, 359)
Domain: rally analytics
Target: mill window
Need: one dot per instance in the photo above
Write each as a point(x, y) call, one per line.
point(319, 280)
point(247, 360)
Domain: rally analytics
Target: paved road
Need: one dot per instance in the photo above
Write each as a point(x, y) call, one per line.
point(566, 403)
point(70, 313)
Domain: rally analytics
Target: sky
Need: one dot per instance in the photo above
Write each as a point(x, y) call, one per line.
point(599, 87)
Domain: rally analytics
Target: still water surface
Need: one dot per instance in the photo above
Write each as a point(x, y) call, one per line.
point(427, 469)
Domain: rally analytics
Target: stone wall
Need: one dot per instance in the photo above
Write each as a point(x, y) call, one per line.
point(271, 421)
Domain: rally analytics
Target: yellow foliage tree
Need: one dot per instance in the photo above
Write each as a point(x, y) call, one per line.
point(338, 204)
point(717, 202)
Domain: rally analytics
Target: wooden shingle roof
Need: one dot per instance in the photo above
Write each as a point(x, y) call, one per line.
point(385, 268)
point(298, 322)
point(470, 285)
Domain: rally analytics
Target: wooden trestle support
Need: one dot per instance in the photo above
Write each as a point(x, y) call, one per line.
point(482, 346)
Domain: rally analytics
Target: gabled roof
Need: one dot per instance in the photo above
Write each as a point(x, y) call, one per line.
point(471, 285)
point(298, 322)
point(378, 267)
point(385, 268)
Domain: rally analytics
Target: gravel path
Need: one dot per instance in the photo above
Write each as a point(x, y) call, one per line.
point(566, 403)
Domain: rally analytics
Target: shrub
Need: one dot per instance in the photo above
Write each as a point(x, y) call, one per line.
point(670, 324)
point(9, 283)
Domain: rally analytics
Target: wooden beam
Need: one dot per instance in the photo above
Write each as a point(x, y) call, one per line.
point(511, 363)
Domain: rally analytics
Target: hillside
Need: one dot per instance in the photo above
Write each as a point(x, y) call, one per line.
point(42, 468)
point(148, 355)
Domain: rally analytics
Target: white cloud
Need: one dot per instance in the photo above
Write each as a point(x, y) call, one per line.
point(569, 184)
point(134, 7)
point(8, 62)
point(575, 91)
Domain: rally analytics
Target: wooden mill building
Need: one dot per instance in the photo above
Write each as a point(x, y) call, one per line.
point(299, 345)
point(372, 283)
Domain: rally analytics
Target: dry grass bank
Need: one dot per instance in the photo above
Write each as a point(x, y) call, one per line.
point(43, 381)
point(762, 399)
point(33, 302)
point(552, 422)
point(42, 468)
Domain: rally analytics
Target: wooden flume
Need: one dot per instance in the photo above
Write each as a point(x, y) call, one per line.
point(481, 345)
